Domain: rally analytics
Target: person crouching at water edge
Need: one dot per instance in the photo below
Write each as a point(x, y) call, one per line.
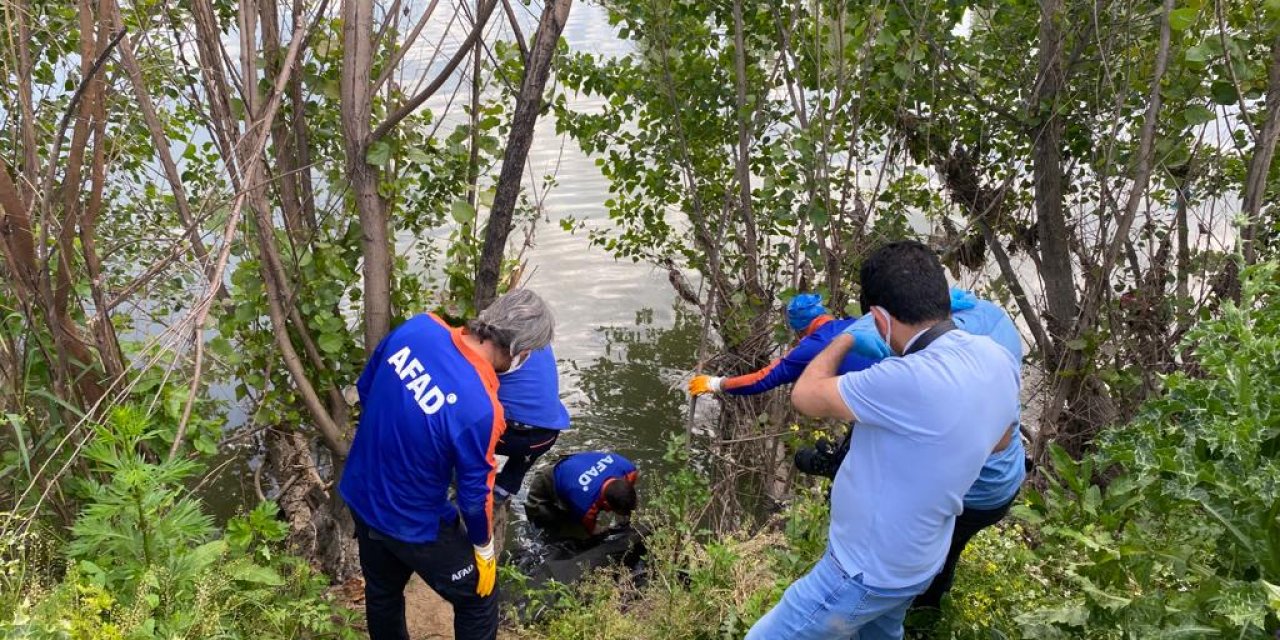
point(566, 499)
point(430, 413)
point(925, 424)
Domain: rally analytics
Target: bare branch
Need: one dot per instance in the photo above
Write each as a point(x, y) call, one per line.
point(261, 130)
point(1263, 151)
point(528, 104)
point(158, 138)
point(515, 29)
point(394, 62)
point(1231, 72)
point(416, 101)
point(61, 134)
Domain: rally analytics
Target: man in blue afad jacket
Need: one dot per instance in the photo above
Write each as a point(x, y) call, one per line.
point(567, 498)
point(814, 327)
point(430, 414)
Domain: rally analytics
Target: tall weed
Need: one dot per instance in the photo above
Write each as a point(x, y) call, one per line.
point(145, 561)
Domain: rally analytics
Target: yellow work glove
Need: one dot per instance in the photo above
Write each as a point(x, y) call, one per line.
point(486, 569)
point(704, 384)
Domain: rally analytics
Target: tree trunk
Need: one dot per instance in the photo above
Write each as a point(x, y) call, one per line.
point(320, 528)
point(1260, 165)
point(1079, 403)
point(1055, 246)
point(742, 165)
point(375, 238)
point(528, 105)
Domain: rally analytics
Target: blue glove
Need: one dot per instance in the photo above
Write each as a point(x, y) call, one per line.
point(866, 339)
point(962, 300)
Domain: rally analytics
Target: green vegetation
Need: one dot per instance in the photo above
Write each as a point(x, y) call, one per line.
point(143, 560)
point(212, 208)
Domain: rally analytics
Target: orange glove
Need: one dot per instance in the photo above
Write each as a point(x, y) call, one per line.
point(486, 569)
point(700, 385)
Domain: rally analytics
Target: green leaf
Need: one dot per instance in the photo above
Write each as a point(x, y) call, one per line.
point(1243, 540)
point(1182, 19)
point(379, 154)
point(1223, 92)
point(818, 215)
point(208, 553)
point(204, 444)
point(255, 574)
point(1077, 345)
point(1200, 53)
point(418, 156)
point(15, 421)
point(1197, 114)
point(1272, 591)
point(462, 211)
point(330, 342)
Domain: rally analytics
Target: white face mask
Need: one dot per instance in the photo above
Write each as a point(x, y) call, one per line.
point(888, 333)
point(517, 361)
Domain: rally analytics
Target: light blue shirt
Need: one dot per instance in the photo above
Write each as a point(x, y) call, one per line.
point(531, 394)
point(1006, 470)
point(926, 424)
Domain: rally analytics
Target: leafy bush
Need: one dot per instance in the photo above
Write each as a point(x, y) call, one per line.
point(145, 561)
point(1170, 529)
point(998, 578)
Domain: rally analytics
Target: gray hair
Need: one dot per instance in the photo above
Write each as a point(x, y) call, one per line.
point(518, 321)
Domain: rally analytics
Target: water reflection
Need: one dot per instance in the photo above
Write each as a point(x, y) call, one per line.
point(630, 397)
point(624, 391)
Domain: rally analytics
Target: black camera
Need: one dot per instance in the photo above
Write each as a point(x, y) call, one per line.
point(823, 458)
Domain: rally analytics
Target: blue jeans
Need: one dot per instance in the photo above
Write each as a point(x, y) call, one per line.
point(829, 604)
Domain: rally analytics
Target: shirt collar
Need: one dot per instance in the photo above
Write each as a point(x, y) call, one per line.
point(816, 324)
point(907, 347)
point(482, 365)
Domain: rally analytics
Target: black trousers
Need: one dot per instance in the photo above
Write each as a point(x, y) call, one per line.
point(968, 524)
point(523, 445)
point(447, 565)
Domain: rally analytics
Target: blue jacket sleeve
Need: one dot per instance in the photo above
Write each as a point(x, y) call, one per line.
point(783, 371)
point(476, 467)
